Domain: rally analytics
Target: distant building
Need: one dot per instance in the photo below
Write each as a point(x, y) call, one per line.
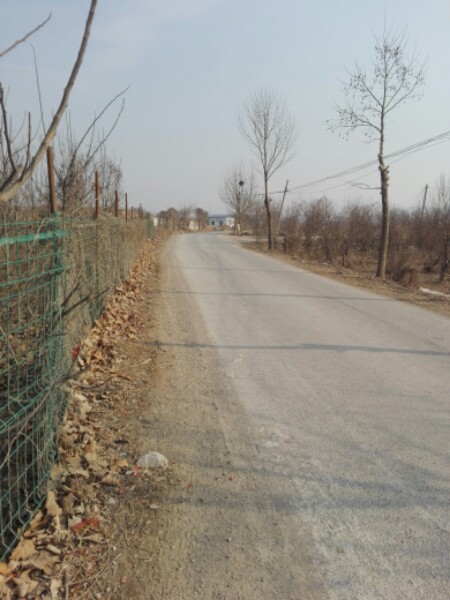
point(220, 221)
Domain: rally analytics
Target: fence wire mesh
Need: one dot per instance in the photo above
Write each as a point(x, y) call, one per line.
point(31, 268)
point(55, 278)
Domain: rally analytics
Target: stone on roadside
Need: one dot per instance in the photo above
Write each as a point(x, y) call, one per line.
point(152, 460)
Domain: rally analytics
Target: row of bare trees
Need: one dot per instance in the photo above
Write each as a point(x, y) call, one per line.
point(370, 96)
point(418, 238)
point(184, 218)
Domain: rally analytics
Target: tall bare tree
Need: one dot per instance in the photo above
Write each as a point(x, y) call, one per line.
point(21, 162)
point(370, 97)
point(237, 191)
point(271, 131)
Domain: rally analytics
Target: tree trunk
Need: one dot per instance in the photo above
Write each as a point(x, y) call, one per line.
point(384, 242)
point(269, 214)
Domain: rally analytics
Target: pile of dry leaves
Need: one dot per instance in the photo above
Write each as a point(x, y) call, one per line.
point(70, 540)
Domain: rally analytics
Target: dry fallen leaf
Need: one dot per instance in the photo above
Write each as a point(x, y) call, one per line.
point(22, 587)
point(5, 569)
point(74, 521)
point(54, 588)
point(78, 471)
point(35, 524)
point(45, 561)
point(110, 479)
point(52, 506)
point(90, 522)
point(24, 550)
point(67, 503)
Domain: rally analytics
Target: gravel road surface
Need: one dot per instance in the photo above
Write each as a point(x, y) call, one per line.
point(313, 422)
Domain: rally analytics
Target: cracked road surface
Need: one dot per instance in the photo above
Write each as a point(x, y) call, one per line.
point(310, 423)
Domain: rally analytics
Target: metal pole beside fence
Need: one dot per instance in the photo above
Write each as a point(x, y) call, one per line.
point(126, 207)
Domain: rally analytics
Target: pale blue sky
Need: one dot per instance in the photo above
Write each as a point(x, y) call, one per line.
point(191, 64)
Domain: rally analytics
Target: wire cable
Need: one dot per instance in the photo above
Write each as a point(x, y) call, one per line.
point(399, 154)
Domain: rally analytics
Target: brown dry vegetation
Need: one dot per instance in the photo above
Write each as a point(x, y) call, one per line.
point(98, 500)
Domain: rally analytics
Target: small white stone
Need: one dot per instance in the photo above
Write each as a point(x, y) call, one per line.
point(152, 460)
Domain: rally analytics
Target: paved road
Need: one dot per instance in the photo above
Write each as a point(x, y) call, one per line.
point(346, 400)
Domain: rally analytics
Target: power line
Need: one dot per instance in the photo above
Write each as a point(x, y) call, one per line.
point(402, 153)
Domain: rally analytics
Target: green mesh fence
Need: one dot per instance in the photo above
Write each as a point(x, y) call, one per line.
point(55, 279)
point(31, 268)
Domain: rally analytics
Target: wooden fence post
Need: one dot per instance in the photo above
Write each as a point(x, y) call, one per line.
point(126, 207)
point(116, 205)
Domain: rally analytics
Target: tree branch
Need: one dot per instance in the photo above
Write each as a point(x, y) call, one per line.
point(14, 185)
point(25, 37)
point(7, 138)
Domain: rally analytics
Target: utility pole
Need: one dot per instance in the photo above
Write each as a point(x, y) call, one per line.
point(424, 201)
point(239, 211)
point(281, 209)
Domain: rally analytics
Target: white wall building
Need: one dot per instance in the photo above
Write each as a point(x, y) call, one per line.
point(220, 221)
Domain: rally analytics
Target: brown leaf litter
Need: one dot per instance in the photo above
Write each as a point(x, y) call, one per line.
point(72, 541)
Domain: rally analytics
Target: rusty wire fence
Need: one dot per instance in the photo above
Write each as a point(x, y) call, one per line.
point(55, 279)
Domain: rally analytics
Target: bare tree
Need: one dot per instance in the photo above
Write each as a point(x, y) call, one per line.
point(395, 77)
point(237, 191)
point(79, 158)
point(270, 129)
point(170, 219)
point(358, 230)
point(441, 214)
point(184, 215)
point(201, 216)
point(20, 163)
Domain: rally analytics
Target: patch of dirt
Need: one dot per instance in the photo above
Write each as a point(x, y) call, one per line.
point(364, 277)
